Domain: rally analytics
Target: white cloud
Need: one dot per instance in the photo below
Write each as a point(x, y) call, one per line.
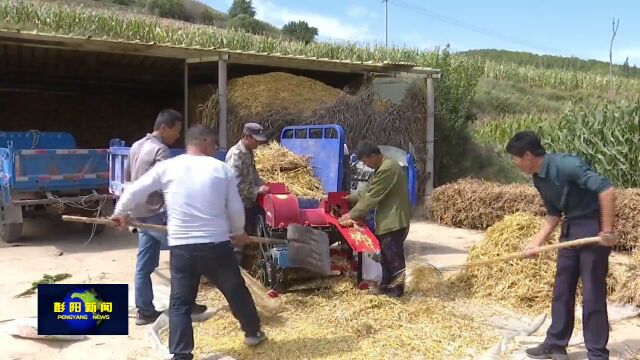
point(358, 11)
point(328, 27)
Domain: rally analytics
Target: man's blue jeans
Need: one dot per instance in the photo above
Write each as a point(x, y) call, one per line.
point(149, 245)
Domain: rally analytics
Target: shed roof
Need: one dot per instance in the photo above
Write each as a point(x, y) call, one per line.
point(197, 54)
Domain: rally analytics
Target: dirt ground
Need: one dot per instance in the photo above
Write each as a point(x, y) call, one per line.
point(49, 248)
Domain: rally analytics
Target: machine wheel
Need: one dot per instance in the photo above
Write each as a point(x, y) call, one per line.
point(10, 233)
point(270, 275)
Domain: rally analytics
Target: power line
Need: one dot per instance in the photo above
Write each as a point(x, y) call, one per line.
point(470, 27)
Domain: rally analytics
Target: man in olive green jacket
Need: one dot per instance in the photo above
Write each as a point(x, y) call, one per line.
point(387, 192)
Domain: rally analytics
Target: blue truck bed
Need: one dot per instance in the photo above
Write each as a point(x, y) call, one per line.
point(45, 168)
point(118, 157)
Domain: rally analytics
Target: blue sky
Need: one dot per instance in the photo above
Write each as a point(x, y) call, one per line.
point(563, 27)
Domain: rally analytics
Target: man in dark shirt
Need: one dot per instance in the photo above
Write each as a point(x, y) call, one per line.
point(570, 188)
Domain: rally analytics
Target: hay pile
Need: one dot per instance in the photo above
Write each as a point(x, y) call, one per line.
point(276, 100)
point(628, 218)
point(524, 284)
point(628, 289)
point(478, 204)
point(256, 94)
point(276, 164)
point(342, 322)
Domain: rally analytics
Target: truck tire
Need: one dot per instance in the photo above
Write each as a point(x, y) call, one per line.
point(11, 232)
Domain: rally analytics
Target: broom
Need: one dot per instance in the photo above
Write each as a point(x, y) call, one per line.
point(265, 304)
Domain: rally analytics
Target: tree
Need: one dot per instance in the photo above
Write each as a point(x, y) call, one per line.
point(173, 9)
point(242, 7)
point(300, 30)
point(207, 17)
point(246, 23)
point(613, 36)
point(626, 70)
point(123, 2)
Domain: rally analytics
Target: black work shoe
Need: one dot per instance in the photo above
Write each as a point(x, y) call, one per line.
point(542, 352)
point(146, 319)
point(198, 309)
point(255, 339)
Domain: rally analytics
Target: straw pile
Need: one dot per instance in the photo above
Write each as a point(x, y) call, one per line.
point(628, 218)
point(628, 290)
point(276, 164)
point(524, 284)
point(478, 204)
point(256, 94)
point(342, 322)
point(276, 100)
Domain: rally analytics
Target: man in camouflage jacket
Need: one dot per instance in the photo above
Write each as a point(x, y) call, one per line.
point(240, 158)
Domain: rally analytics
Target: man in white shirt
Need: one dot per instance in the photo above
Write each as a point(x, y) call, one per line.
point(204, 211)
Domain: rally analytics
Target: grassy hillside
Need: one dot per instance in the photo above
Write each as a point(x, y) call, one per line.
point(191, 11)
point(552, 62)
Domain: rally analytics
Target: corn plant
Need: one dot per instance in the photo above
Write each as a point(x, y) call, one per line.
point(558, 79)
point(606, 134)
point(119, 25)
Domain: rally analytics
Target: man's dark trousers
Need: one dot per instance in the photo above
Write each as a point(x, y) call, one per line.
point(392, 258)
point(217, 263)
point(591, 264)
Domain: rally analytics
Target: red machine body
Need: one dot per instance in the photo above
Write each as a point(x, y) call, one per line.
point(282, 208)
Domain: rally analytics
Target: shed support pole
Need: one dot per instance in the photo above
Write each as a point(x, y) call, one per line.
point(430, 134)
point(222, 101)
point(185, 113)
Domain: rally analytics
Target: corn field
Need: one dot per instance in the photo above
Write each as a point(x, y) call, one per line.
point(559, 79)
point(118, 25)
point(605, 134)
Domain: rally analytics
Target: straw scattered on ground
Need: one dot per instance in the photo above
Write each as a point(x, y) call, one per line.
point(425, 280)
point(342, 322)
point(276, 164)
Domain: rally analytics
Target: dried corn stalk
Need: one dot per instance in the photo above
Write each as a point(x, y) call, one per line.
point(276, 164)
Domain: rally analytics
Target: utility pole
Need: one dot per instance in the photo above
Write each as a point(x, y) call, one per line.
point(386, 22)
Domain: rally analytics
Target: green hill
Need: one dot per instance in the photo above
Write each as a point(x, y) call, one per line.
point(191, 11)
point(552, 62)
